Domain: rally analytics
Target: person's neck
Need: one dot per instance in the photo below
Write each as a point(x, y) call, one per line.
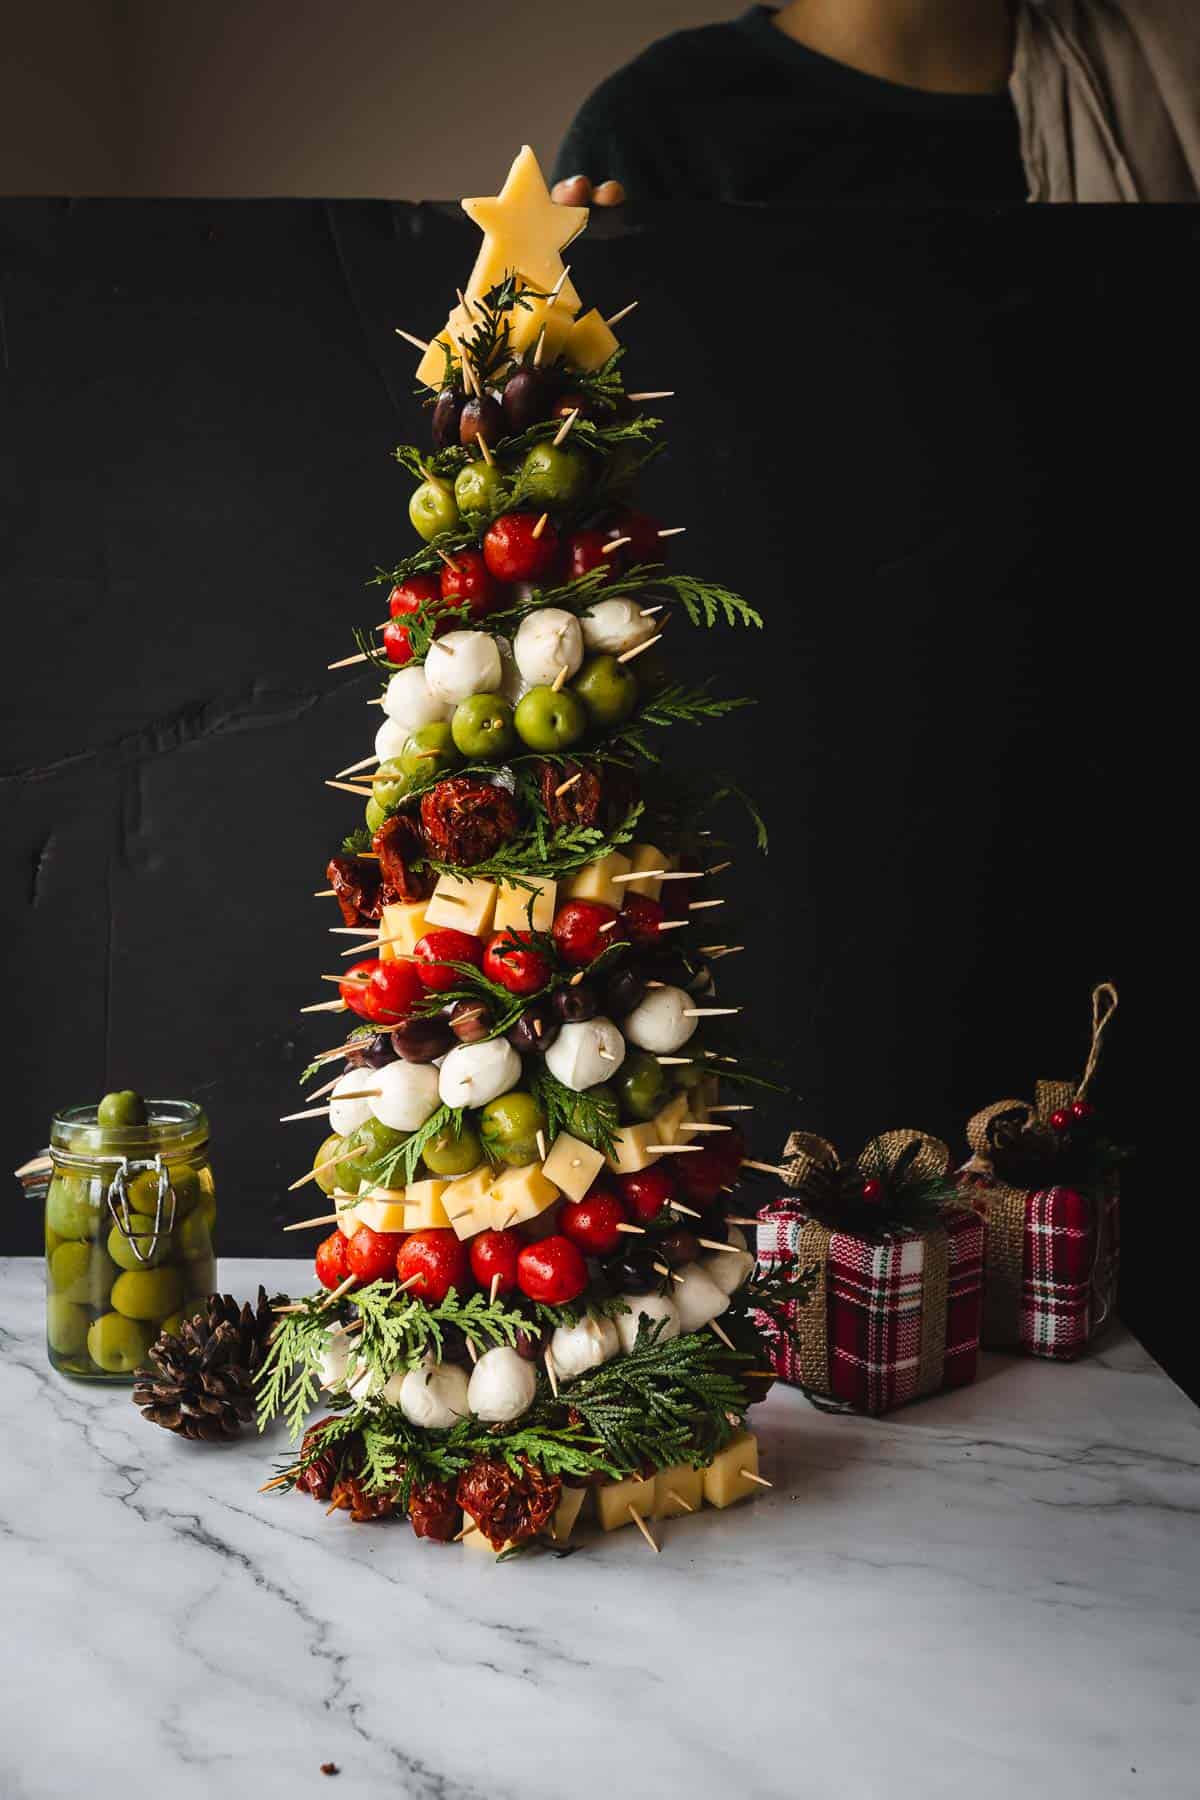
point(943, 46)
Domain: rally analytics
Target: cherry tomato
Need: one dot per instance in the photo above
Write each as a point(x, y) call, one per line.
point(585, 552)
point(372, 1254)
point(330, 1260)
point(729, 1147)
point(642, 531)
point(591, 1223)
point(442, 946)
point(552, 1271)
point(438, 1261)
point(704, 1177)
point(508, 961)
point(577, 930)
point(648, 1191)
point(511, 551)
point(406, 598)
point(355, 985)
point(495, 1253)
point(641, 918)
point(393, 991)
point(466, 580)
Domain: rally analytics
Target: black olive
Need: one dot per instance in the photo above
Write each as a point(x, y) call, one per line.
point(571, 402)
point(446, 413)
point(574, 1005)
point(454, 1346)
point(679, 1247)
point(419, 1040)
point(470, 1021)
point(633, 1276)
point(528, 397)
point(481, 417)
point(371, 1052)
point(536, 1029)
point(624, 989)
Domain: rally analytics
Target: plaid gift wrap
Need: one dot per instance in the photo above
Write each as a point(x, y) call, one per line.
point(890, 1317)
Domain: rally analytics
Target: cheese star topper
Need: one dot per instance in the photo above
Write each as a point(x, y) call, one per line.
point(524, 232)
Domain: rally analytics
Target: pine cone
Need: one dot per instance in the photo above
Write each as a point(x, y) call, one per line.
point(201, 1383)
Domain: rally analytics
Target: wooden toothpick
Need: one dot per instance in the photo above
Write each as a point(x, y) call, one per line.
point(679, 1500)
point(638, 1520)
point(549, 1362)
point(540, 526)
point(653, 394)
point(416, 342)
point(615, 318)
point(723, 1335)
point(305, 1224)
point(355, 768)
point(343, 1287)
point(766, 1168)
point(759, 1480)
point(615, 544)
point(564, 428)
point(562, 787)
point(640, 1230)
point(348, 660)
point(628, 655)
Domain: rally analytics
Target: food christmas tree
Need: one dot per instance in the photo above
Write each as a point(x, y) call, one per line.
point(536, 1293)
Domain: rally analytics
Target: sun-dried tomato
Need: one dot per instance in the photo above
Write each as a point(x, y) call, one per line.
point(466, 820)
point(349, 1495)
point(433, 1510)
point(508, 1508)
point(355, 882)
point(578, 804)
point(398, 845)
point(318, 1478)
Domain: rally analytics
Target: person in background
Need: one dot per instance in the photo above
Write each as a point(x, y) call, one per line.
point(902, 103)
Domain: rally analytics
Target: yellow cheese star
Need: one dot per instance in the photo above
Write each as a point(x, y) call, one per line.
point(524, 232)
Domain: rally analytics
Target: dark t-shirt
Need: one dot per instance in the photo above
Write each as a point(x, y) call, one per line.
point(739, 112)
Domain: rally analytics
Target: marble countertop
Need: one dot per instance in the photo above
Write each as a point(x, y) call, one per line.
point(993, 1593)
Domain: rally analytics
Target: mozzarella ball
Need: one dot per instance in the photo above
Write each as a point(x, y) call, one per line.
point(583, 1054)
point(409, 701)
point(513, 685)
point(473, 1074)
point(366, 1382)
point(408, 1093)
point(547, 642)
point(335, 1358)
point(346, 1116)
point(658, 1024)
point(391, 738)
point(502, 1386)
point(615, 625)
point(697, 1297)
point(574, 1349)
point(461, 664)
point(647, 1306)
point(433, 1395)
point(727, 1269)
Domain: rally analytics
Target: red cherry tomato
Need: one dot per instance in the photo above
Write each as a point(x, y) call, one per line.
point(508, 961)
point(406, 598)
point(577, 930)
point(648, 1191)
point(511, 551)
point(641, 918)
point(355, 985)
point(585, 552)
point(393, 991)
point(467, 581)
point(330, 1261)
point(552, 1271)
point(591, 1223)
point(372, 1254)
point(495, 1253)
point(438, 1260)
point(642, 531)
point(704, 1177)
point(436, 949)
point(729, 1147)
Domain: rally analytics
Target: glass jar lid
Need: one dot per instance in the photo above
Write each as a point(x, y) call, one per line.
point(174, 1129)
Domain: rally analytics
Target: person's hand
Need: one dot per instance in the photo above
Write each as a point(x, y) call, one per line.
point(577, 190)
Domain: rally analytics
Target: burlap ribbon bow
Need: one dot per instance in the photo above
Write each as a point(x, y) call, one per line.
point(804, 1155)
point(1003, 1207)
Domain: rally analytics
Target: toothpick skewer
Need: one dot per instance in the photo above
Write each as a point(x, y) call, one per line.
point(541, 1144)
point(615, 318)
point(673, 1059)
point(737, 1219)
point(639, 1230)
point(699, 905)
point(557, 683)
point(553, 1378)
point(701, 1125)
point(654, 394)
point(615, 544)
point(483, 446)
point(564, 428)
point(326, 1006)
point(325, 894)
point(346, 787)
point(348, 660)
point(628, 655)
point(672, 1149)
point(673, 531)
point(540, 526)
point(709, 1012)
point(305, 1224)
point(679, 1207)
point(766, 1168)
point(673, 924)
point(320, 1168)
point(759, 1480)
point(741, 1106)
point(343, 1287)
point(638, 1520)
point(723, 1335)
point(562, 787)
point(712, 1244)
point(416, 342)
point(494, 1289)
point(356, 767)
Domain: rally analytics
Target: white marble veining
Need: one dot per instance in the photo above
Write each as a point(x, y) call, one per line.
point(995, 1593)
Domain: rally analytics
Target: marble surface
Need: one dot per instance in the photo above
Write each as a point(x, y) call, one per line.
point(993, 1593)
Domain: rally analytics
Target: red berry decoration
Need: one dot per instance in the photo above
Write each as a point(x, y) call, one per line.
point(467, 581)
point(579, 930)
point(585, 552)
point(873, 1191)
point(370, 1255)
point(330, 1260)
point(509, 961)
point(648, 1191)
point(1061, 1120)
point(1082, 1112)
point(552, 1271)
point(434, 1261)
point(641, 918)
point(436, 949)
point(495, 1253)
point(392, 992)
point(591, 1223)
point(513, 553)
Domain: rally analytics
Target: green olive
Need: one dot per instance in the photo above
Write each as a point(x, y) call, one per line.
point(509, 1127)
point(447, 1154)
point(482, 727)
point(118, 1343)
point(641, 1085)
point(141, 1248)
point(70, 1208)
point(432, 508)
point(602, 1095)
point(327, 1180)
point(608, 691)
point(549, 720)
point(429, 752)
point(148, 1293)
point(368, 1142)
point(478, 487)
point(66, 1325)
point(82, 1273)
point(142, 1191)
point(554, 475)
point(121, 1108)
point(374, 815)
point(52, 1240)
point(185, 1184)
point(389, 794)
point(193, 1238)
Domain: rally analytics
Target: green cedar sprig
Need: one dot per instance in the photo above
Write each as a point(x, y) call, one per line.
point(590, 1117)
point(423, 463)
point(289, 1380)
point(402, 1161)
point(587, 434)
point(535, 852)
point(677, 704)
point(398, 1329)
point(605, 384)
point(356, 843)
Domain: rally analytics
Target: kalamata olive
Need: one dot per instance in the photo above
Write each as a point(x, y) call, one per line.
point(446, 414)
point(633, 1276)
point(679, 1247)
point(701, 980)
point(454, 1346)
point(481, 417)
point(536, 1029)
point(624, 989)
point(571, 402)
point(528, 396)
point(576, 1004)
point(371, 1052)
point(470, 1021)
point(419, 1040)
point(668, 967)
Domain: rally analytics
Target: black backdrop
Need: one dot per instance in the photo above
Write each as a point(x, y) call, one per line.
point(926, 448)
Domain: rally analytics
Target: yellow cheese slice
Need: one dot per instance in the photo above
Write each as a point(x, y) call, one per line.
point(615, 1498)
point(432, 367)
point(678, 1491)
point(572, 1166)
point(590, 341)
point(632, 1148)
point(520, 1194)
point(400, 925)
point(473, 1539)
point(723, 1479)
point(467, 1202)
point(423, 1209)
point(668, 1119)
point(466, 903)
point(383, 1209)
point(523, 230)
point(595, 881)
point(567, 1513)
point(646, 856)
point(551, 319)
point(513, 904)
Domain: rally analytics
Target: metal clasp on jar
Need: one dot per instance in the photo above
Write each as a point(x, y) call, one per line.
point(143, 1243)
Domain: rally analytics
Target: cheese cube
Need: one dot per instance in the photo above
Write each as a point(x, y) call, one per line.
point(632, 1148)
point(466, 903)
point(520, 1194)
point(615, 1498)
point(383, 1209)
point(473, 1539)
point(513, 904)
point(724, 1481)
point(566, 1513)
point(677, 1491)
point(590, 342)
point(348, 1220)
point(669, 1118)
point(423, 1209)
point(701, 1099)
point(595, 882)
point(572, 1166)
point(399, 928)
point(467, 1202)
point(646, 856)
point(432, 367)
point(527, 323)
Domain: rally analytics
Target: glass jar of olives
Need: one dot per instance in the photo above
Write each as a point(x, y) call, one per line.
point(130, 1220)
